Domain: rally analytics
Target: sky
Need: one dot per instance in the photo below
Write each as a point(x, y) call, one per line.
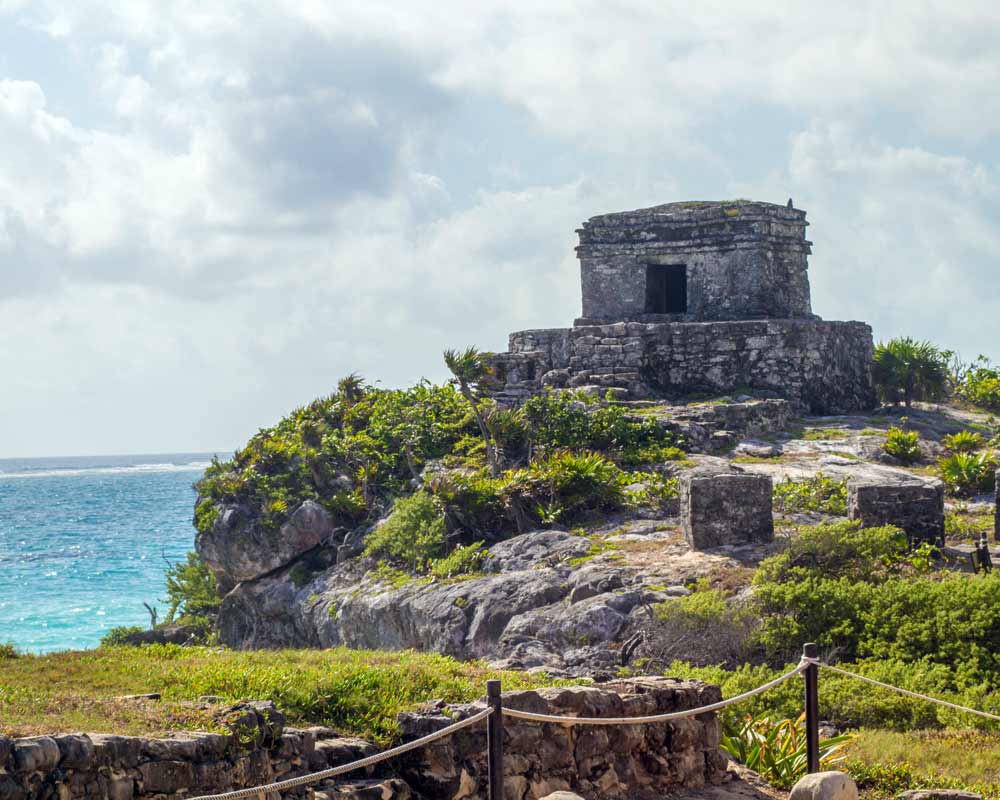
point(212, 211)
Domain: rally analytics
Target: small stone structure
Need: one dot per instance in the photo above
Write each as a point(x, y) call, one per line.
point(697, 298)
point(913, 504)
point(695, 262)
point(627, 761)
point(726, 508)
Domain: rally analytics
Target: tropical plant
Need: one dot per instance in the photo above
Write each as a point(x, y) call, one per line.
point(967, 474)
point(818, 493)
point(192, 591)
point(964, 442)
point(978, 383)
point(777, 749)
point(351, 388)
point(465, 560)
point(471, 369)
point(901, 444)
point(907, 370)
point(413, 534)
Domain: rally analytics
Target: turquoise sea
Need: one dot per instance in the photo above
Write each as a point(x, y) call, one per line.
point(85, 540)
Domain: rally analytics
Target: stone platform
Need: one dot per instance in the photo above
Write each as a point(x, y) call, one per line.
point(821, 367)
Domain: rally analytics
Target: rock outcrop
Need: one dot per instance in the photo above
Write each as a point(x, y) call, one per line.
point(240, 548)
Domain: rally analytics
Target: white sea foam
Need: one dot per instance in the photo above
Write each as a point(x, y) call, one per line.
point(194, 466)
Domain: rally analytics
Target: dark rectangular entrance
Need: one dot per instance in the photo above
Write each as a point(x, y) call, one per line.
point(666, 289)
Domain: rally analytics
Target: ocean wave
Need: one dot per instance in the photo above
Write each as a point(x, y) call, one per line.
point(193, 466)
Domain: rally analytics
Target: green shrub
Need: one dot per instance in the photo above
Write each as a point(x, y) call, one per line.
point(979, 384)
point(465, 560)
point(964, 442)
point(904, 445)
point(192, 591)
point(819, 493)
point(344, 451)
point(967, 474)
point(575, 421)
point(838, 549)
point(776, 750)
point(8, 651)
point(412, 535)
point(845, 701)
point(720, 626)
point(906, 370)
point(117, 636)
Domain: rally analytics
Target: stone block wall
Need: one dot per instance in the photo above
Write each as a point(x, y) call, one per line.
point(916, 506)
point(743, 260)
point(629, 761)
point(821, 367)
point(726, 508)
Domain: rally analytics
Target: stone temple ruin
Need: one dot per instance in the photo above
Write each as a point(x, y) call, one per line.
point(702, 298)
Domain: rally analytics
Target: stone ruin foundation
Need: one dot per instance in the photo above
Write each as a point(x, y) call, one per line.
point(720, 508)
point(913, 504)
point(697, 298)
point(630, 761)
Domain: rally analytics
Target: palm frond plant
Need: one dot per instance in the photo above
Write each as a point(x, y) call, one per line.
point(907, 370)
point(471, 369)
point(776, 750)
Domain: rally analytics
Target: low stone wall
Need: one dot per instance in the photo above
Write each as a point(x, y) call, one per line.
point(627, 761)
point(599, 762)
point(916, 506)
point(726, 508)
point(822, 367)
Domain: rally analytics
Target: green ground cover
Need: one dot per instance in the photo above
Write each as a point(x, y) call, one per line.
point(355, 691)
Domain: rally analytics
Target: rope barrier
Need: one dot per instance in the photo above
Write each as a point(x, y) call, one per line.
point(806, 662)
point(528, 715)
point(907, 692)
point(291, 783)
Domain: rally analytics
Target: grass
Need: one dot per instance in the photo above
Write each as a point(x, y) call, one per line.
point(963, 525)
point(967, 759)
point(355, 691)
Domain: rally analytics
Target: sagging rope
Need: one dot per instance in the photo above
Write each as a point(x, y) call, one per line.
point(907, 692)
point(291, 783)
point(693, 712)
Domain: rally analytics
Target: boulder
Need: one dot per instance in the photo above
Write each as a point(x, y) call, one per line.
point(239, 549)
point(825, 786)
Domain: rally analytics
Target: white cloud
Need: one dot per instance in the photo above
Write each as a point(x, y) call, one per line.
point(214, 210)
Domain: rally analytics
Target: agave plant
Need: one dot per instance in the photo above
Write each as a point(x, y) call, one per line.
point(964, 442)
point(777, 749)
point(967, 474)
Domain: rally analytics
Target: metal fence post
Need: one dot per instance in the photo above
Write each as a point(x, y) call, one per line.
point(494, 740)
point(810, 676)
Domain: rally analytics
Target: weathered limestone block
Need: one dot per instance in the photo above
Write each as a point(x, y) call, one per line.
point(915, 505)
point(726, 508)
